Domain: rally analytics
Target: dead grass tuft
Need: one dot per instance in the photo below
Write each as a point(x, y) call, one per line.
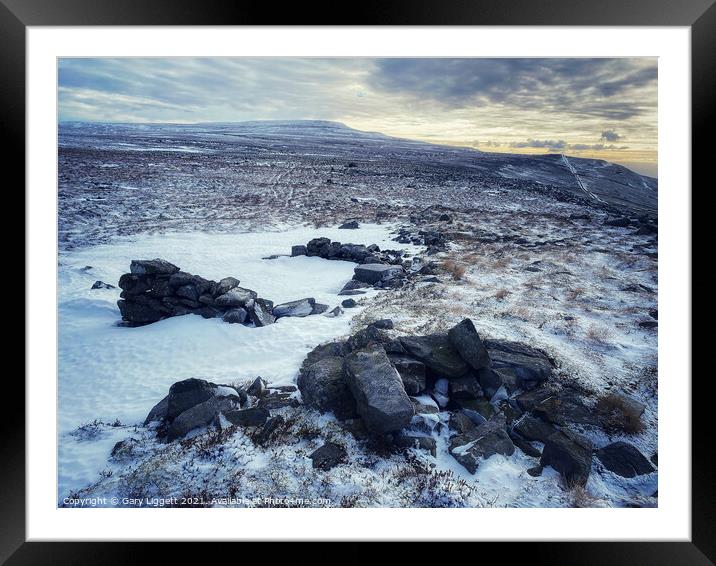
point(457, 271)
point(501, 294)
point(618, 416)
point(598, 334)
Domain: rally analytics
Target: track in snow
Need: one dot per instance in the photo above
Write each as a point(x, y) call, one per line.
point(579, 181)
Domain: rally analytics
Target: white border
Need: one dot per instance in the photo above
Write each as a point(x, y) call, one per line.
point(671, 521)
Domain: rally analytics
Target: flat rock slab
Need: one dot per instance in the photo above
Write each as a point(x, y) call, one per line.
point(328, 456)
point(254, 416)
point(480, 443)
point(530, 366)
point(378, 390)
point(200, 415)
point(375, 272)
point(301, 307)
point(236, 297)
point(624, 460)
point(152, 267)
point(436, 352)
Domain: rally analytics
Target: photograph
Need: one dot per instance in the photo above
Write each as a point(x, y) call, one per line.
point(357, 282)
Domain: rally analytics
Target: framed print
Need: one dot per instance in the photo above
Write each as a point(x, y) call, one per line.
point(420, 276)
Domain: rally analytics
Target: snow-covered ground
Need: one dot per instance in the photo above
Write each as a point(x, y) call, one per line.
point(540, 267)
point(108, 372)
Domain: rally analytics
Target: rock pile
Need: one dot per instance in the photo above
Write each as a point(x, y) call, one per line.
point(435, 240)
point(194, 403)
point(357, 253)
point(156, 289)
point(496, 395)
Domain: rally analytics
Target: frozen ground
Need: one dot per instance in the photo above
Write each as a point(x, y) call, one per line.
point(109, 372)
point(538, 263)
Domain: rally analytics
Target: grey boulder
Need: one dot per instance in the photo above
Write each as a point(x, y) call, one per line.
point(624, 460)
point(412, 373)
point(324, 387)
point(235, 316)
point(200, 415)
point(376, 272)
point(378, 390)
point(466, 341)
point(261, 312)
point(481, 442)
point(301, 307)
point(236, 297)
point(328, 456)
point(152, 267)
point(436, 352)
point(568, 455)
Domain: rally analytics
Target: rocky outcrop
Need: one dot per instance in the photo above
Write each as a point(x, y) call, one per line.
point(156, 289)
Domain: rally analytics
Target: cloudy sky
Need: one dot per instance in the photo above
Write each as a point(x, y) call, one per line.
point(604, 108)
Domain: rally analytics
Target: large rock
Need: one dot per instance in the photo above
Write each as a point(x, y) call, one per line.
point(140, 313)
point(225, 285)
point(490, 381)
point(199, 415)
point(530, 366)
point(253, 416)
point(318, 247)
point(298, 250)
point(328, 350)
point(152, 267)
point(236, 297)
point(436, 352)
point(187, 393)
point(466, 341)
point(378, 390)
point(235, 316)
point(376, 272)
point(412, 373)
point(324, 387)
point(531, 428)
point(158, 412)
point(569, 456)
point(624, 459)
point(565, 406)
point(350, 225)
point(465, 388)
point(328, 456)
point(260, 312)
point(481, 442)
point(135, 284)
point(301, 307)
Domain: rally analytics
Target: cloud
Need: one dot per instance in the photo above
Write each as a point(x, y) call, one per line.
point(563, 145)
point(549, 144)
point(589, 87)
point(610, 135)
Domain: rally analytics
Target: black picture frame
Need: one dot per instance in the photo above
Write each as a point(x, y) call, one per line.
point(699, 15)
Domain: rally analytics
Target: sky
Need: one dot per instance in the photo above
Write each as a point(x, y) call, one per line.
point(600, 108)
